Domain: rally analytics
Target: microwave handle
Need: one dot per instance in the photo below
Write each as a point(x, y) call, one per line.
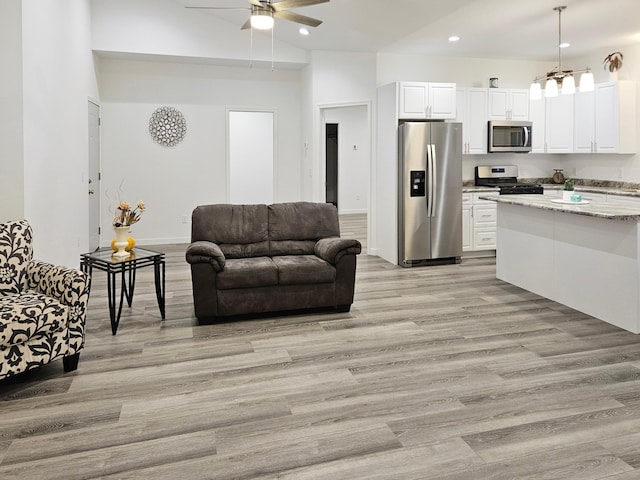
point(526, 136)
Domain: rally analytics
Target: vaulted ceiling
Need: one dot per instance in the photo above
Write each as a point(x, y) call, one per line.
point(514, 29)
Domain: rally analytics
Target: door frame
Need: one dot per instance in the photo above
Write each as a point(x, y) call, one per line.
point(321, 165)
point(337, 166)
point(98, 188)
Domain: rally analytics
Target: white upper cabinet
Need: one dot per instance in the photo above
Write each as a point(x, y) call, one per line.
point(605, 119)
point(559, 124)
point(615, 111)
point(584, 115)
point(426, 100)
point(472, 113)
point(508, 104)
point(537, 109)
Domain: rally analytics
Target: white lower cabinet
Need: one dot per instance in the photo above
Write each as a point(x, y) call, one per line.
point(593, 197)
point(466, 222)
point(635, 201)
point(478, 222)
point(552, 192)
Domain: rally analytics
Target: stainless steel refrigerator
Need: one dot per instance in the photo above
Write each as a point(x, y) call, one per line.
point(430, 191)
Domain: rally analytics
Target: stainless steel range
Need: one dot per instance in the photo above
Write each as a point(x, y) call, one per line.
point(506, 179)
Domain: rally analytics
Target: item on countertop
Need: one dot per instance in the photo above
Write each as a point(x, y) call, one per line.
point(568, 189)
point(558, 176)
point(576, 197)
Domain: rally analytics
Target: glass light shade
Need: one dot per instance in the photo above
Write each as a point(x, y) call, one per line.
point(568, 85)
point(586, 82)
point(535, 91)
point(551, 88)
point(262, 20)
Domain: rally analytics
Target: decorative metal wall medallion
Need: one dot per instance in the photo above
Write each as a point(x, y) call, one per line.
point(167, 126)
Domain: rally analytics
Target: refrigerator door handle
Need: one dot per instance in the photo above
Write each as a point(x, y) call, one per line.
point(434, 176)
point(429, 181)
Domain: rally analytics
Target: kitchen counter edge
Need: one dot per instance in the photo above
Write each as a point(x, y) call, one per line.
point(608, 211)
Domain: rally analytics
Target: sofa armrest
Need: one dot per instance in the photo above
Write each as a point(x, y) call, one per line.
point(69, 286)
point(206, 252)
point(332, 249)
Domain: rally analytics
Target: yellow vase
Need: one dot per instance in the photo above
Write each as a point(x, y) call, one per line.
point(131, 243)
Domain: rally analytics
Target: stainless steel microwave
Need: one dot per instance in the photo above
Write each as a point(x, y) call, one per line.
point(509, 136)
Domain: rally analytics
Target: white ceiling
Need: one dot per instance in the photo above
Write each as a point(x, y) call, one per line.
point(515, 29)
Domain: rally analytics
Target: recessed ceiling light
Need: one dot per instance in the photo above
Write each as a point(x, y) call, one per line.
point(454, 38)
point(303, 31)
point(564, 45)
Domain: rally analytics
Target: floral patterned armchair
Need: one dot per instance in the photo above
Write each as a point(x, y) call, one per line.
point(42, 306)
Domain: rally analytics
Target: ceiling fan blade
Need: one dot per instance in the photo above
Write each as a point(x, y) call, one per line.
point(246, 24)
point(218, 8)
point(287, 4)
point(295, 17)
point(256, 3)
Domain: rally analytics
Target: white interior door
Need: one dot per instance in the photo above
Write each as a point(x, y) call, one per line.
point(94, 176)
point(251, 153)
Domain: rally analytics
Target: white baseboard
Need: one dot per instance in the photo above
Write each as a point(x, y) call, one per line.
point(351, 212)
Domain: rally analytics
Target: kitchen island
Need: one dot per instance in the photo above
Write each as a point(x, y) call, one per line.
point(585, 256)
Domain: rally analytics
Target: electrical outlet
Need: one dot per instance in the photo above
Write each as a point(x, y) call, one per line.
point(185, 219)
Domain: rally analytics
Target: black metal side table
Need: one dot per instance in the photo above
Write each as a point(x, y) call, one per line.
point(126, 267)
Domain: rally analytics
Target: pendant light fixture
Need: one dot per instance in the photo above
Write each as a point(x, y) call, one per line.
point(559, 75)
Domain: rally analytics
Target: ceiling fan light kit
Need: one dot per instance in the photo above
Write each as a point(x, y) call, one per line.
point(565, 77)
point(261, 18)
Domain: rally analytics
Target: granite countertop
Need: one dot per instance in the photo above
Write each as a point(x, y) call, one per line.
point(610, 211)
point(474, 189)
point(623, 191)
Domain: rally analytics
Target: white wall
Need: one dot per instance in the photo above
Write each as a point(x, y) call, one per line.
point(173, 181)
point(354, 156)
point(11, 118)
point(337, 79)
point(58, 79)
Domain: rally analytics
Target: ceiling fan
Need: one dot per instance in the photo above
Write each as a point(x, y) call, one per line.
point(264, 11)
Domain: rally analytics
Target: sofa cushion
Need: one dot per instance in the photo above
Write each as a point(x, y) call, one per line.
point(29, 314)
point(303, 269)
point(239, 230)
point(247, 273)
point(15, 253)
point(295, 227)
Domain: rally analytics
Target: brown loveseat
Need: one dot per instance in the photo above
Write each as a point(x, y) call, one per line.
point(269, 258)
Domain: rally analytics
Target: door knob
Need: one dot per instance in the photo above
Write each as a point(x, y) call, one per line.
point(90, 192)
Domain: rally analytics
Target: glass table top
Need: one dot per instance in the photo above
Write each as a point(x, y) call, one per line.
point(105, 256)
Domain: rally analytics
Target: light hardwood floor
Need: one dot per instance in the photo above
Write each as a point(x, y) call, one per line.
point(436, 373)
